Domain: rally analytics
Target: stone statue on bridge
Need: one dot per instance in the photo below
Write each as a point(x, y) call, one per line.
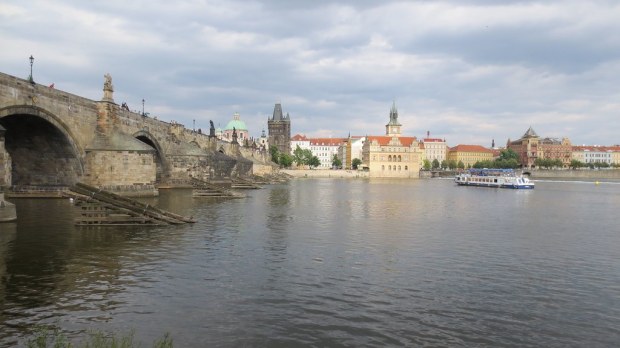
point(108, 89)
point(211, 130)
point(234, 136)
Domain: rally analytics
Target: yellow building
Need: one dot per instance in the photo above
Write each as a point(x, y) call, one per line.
point(469, 154)
point(392, 155)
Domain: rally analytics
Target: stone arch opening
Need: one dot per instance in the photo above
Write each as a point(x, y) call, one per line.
point(42, 150)
point(160, 163)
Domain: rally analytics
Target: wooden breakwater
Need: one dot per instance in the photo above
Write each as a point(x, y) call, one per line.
point(94, 206)
point(203, 188)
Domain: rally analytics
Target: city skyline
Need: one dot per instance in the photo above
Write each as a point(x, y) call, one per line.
point(468, 71)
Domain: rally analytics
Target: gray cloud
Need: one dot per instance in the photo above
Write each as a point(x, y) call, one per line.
point(469, 71)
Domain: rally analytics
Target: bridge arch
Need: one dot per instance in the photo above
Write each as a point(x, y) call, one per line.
point(161, 163)
point(43, 149)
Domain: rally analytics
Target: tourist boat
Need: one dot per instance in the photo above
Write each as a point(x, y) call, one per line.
point(502, 178)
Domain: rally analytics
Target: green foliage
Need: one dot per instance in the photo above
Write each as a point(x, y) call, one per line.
point(426, 165)
point(461, 165)
point(285, 160)
point(435, 164)
point(314, 162)
point(336, 162)
point(452, 164)
point(508, 154)
point(298, 156)
point(356, 162)
point(548, 163)
point(498, 163)
point(593, 165)
point(275, 154)
point(444, 164)
point(576, 164)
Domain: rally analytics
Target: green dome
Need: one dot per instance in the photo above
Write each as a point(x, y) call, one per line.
point(236, 123)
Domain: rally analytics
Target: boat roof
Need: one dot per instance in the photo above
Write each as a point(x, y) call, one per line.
point(488, 171)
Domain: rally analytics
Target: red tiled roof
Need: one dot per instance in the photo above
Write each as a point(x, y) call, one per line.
point(384, 140)
point(470, 148)
point(433, 140)
point(299, 137)
point(326, 141)
point(596, 148)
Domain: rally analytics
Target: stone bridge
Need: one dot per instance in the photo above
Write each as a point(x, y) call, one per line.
point(51, 138)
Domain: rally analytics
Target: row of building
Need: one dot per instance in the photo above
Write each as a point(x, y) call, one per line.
point(395, 155)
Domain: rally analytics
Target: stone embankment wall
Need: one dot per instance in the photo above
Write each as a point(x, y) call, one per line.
point(579, 174)
point(325, 173)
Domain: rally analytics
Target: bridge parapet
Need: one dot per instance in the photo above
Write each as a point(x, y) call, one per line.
point(58, 138)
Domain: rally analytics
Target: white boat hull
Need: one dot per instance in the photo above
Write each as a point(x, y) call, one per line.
point(497, 181)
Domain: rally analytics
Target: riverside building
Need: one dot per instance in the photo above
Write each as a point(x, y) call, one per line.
point(531, 147)
point(469, 154)
point(392, 155)
point(434, 148)
point(323, 148)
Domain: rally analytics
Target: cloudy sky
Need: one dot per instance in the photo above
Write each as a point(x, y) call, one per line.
point(466, 70)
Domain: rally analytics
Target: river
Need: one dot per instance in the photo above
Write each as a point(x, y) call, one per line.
point(328, 262)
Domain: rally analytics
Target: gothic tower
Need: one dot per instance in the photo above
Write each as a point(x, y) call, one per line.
point(279, 128)
point(392, 129)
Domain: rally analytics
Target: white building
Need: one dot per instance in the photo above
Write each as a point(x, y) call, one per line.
point(435, 149)
point(354, 145)
point(323, 148)
point(593, 154)
point(301, 141)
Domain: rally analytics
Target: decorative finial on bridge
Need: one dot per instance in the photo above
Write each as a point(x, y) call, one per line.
point(108, 89)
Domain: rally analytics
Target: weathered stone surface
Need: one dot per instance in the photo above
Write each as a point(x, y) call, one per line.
point(7, 210)
point(57, 138)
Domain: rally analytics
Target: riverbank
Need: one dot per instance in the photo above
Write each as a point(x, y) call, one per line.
point(325, 173)
point(578, 174)
point(568, 174)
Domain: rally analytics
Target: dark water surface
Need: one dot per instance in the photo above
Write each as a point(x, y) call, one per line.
point(329, 262)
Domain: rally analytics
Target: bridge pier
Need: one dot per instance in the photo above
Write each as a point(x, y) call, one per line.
point(55, 139)
point(7, 210)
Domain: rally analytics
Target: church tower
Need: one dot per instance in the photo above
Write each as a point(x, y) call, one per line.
point(279, 128)
point(392, 129)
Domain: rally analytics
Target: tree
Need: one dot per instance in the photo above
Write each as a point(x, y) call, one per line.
point(452, 164)
point(307, 154)
point(275, 154)
point(336, 162)
point(356, 162)
point(435, 164)
point(576, 164)
point(298, 156)
point(426, 165)
point(314, 162)
point(285, 160)
point(444, 164)
point(508, 154)
point(461, 165)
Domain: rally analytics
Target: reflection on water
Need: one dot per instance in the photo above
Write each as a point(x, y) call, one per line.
point(324, 262)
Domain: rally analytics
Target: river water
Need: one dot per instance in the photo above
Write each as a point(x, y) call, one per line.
point(329, 262)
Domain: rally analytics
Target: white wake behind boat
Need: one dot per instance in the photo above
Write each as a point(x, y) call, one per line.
point(501, 178)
